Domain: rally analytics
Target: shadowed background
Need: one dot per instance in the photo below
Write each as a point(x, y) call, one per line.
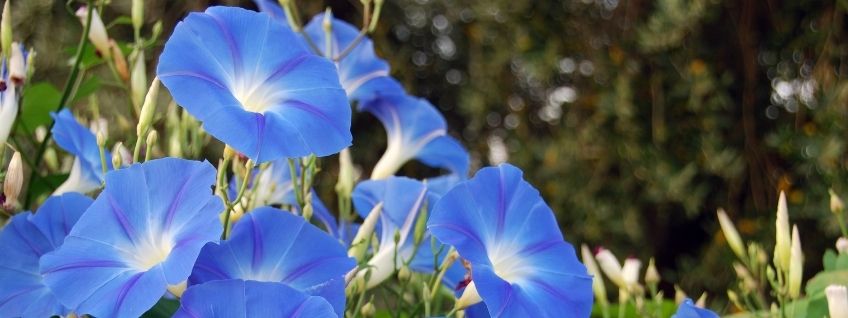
point(636, 119)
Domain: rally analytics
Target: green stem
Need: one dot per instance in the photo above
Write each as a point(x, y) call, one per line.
point(231, 205)
point(66, 96)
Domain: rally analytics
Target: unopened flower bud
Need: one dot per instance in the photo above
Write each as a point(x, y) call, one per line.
point(420, 226)
point(120, 61)
point(101, 138)
point(348, 174)
point(359, 244)
point(17, 65)
point(117, 157)
point(611, 267)
point(97, 31)
point(469, 297)
point(6, 29)
point(368, 310)
point(652, 276)
point(597, 281)
point(679, 295)
point(836, 204)
point(837, 301)
point(702, 301)
point(796, 265)
point(842, 245)
point(731, 235)
point(404, 274)
point(157, 29)
point(734, 298)
point(138, 80)
point(630, 271)
point(307, 207)
point(783, 238)
point(148, 109)
point(137, 14)
point(14, 181)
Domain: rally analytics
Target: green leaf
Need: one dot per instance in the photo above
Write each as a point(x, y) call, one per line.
point(829, 260)
point(163, 309)
point(818, 283)
point(39, 100)
point(88, 87)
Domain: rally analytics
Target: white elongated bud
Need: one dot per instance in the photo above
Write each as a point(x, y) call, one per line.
point(783, 239)
point(148, 109)
point(610, 266)
point(358, 245)
point(679, 295)
point(836, 204)
point(17, 65)
point(842, 245)
point(117, 156)
point(138, 80)
point(6, 28)
point(348, 174)
point(368, 310)
point(8, 111)
point(469, 297)
point(630, 271)
point(652, 276)
point(731, 235)
point(702, 301)
point(796, 265)
point(597, 281)
point(837, 301)
point(97, 31)
point(137, 14)
point(14, 181)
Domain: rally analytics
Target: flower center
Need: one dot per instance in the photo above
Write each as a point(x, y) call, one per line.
point(151, 253)
point(508, 264)
point(254, 95)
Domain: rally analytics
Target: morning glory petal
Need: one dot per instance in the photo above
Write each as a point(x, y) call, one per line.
point(141, 234)
point(272, 245)
point(363, 75)
point(417, 130)
point(242, 299)
point(23, 241)
point(520, 264)
point(688, 309)
point(254, 86)
point(87, 171)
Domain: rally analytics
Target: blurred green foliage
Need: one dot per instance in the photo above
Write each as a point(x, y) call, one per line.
point(636, 119)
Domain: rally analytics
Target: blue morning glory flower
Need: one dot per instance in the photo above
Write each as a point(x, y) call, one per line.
point(362, 73)
point(416, 130)
point(271, 245)
point(235, 298)
point(23, 241)
point(87, 171)
point(520, 264)
point(271, 7)
point(688, 309)
point(251, 83)
point(141, 234)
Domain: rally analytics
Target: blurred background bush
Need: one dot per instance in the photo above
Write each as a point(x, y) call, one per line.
point(636, 119)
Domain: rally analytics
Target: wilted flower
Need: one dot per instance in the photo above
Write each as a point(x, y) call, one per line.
point(611, 267)
point(415, 130)
point(837, 301)
point(630, 271)
point(23, 241)
point(688, 309)
point(597, 281)
point(141, 234)
point(240, 298)
point(521, 266)
point(271, 245)
point(87, 171)
point(254, 86)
